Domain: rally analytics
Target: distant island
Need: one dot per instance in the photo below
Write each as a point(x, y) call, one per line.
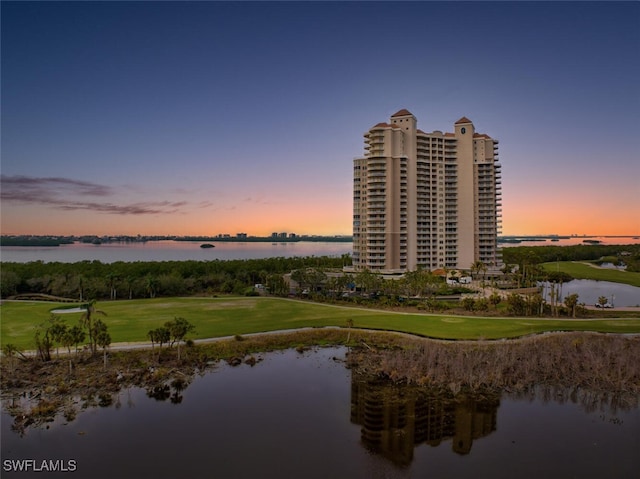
point(589, 238)
point(520, 239)
point(267, 239)
point(34, 240)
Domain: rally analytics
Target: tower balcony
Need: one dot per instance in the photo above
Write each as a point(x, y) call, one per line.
point(373, 212)
point(376, 178)
point(372, 245)
point(379, 197)
point(378, 166)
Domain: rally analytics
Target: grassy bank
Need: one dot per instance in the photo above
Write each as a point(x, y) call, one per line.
point(586, 271)
point(129, 321)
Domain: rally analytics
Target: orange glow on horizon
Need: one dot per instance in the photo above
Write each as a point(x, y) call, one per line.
point(254, 222)
point(544, 216)
point(602, 217)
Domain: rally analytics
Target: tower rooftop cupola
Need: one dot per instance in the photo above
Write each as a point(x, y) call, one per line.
point(403, 112)
point(463, 120)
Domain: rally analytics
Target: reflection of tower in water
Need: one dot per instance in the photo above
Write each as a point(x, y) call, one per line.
point(473, 419)
point(396, 418)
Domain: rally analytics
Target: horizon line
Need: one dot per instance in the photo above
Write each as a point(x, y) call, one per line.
point(227, 235)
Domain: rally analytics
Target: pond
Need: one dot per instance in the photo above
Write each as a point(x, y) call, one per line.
point(296, 415)
point(588, 290)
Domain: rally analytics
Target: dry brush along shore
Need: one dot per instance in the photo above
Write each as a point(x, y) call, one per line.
point(594, 369)
point(589, 368)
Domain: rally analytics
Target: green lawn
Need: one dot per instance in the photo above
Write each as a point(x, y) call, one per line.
point(129, 321)
point(584, 271)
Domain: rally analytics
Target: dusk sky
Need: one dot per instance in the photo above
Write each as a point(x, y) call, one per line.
point(199, 118)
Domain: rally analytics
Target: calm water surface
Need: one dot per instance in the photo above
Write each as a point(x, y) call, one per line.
point(576, 240)
point(589, 291)
point(169, 251)
point(184, 250)
point(303, 416)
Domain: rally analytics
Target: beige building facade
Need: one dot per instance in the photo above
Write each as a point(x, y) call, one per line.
point(429, 200)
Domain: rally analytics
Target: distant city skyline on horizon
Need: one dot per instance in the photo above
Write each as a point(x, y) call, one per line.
point(292, 235)
point(206, 118)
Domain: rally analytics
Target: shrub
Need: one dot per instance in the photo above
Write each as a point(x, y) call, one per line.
point(468, 303)
point(482, 304)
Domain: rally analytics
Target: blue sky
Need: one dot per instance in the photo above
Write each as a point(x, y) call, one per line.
point(215, 117)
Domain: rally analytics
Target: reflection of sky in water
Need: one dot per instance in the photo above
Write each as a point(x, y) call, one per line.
point(182, 251)
point(612, 266)
point(589, 291)
point(605, 240)
point(171, 251)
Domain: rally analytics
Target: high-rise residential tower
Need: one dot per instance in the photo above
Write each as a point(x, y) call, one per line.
point(428, 200)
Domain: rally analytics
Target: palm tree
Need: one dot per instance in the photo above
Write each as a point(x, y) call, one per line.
point(368, 280)
point(128, 282)
point(554, 298)
point(152, 286)
point(477, 267)
point(87, 321)
point(81, 286)
point(102, 339)
point(416, 282)
point(75, 335)
point(483, 270)
point(495, 299)
point(571, 301)
point(178, 329)
point(112, 279)
point(57, 330)
point(159, 335)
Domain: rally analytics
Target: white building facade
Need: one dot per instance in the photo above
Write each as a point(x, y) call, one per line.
point(429, 200)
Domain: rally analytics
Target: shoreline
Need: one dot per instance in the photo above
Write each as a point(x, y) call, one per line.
point(147, 345)
point(597, 364)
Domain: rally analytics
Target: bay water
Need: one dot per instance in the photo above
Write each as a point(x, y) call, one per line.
point(167, 250)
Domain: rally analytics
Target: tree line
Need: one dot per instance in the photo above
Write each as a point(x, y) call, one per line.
point(128, 280)
point(629, 254)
